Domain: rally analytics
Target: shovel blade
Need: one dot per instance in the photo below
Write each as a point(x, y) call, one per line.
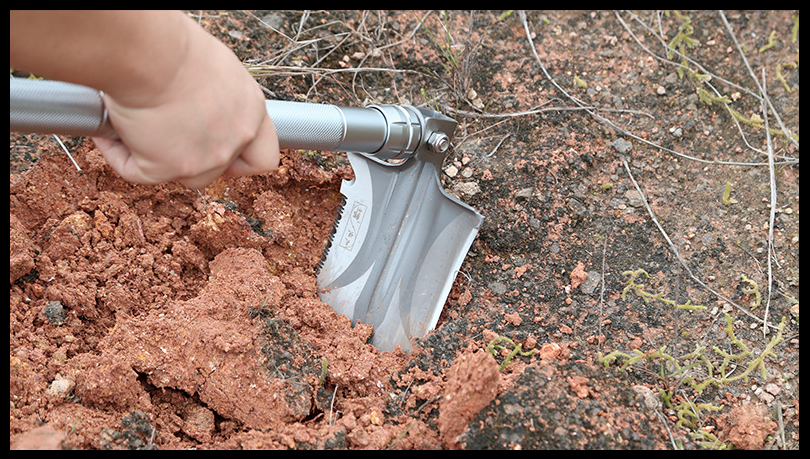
point(396, 249)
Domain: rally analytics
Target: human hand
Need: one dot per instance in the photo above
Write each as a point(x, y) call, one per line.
point(208, 119)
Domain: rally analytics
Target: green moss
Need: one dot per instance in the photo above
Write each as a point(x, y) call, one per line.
point(708, 98)
point(752, 289)
point(773, 39)
point(504, 15)
point(494, 346)
point(682, 40)
point(689, 418)
point(781, 78)
point(727, 193)
point(707, 440)
point(757, 123)
point(689, 413)
point(759, 361)
point(672, 366)
point(647, 297)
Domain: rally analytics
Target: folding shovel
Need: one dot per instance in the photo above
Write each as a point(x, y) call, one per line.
point(399, 239)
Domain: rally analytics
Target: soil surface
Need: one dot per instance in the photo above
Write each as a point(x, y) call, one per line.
point(163, 317)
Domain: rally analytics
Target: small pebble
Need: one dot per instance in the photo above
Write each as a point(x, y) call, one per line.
point(55, 312)
point(622, 145)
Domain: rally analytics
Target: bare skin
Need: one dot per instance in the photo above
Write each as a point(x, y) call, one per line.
point(183, 104)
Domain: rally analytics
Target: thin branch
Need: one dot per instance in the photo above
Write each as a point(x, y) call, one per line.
point(291, 70)
point(59, 141)
point(664, 421)
point(499, 145)
point(773, 207)
point(534, 111)
point(602, 291)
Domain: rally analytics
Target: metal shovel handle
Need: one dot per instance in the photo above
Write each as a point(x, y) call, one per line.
point(386, 131)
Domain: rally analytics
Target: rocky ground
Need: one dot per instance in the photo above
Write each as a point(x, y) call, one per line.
point(617, 295)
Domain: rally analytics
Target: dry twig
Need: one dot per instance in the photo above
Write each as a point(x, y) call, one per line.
point(771, 255)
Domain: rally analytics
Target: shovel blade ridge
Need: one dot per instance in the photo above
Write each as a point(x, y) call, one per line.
point(396, 249)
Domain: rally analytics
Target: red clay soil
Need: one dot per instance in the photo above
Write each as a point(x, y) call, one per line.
point(132, 318)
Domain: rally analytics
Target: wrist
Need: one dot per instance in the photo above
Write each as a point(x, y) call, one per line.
point(146, 67)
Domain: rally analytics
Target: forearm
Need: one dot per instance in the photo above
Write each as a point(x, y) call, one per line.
point(114, 51)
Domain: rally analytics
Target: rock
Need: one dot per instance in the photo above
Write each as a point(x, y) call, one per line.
point(22, 249)
point(773, 389)
point(272, 21)
point(651, 399)
point(622, 146)
point(578, 275)
point(634, 198)
point(524, 193)
point(55, 312)
point(199, 422)
point(550, 351)
point(60, 387)
point(467, 188)
point(41, 438)
point(748, 426)
point(497, 288)
point(591, 282)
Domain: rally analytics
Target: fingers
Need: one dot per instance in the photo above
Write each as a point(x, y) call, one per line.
point(193, 141)
point(121, 160)
point(261, 155)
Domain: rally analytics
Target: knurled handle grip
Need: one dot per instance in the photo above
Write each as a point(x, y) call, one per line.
point(54, 107)
point(388, 131)
point(307, 126)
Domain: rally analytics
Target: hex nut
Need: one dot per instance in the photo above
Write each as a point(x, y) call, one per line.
point(438, 142)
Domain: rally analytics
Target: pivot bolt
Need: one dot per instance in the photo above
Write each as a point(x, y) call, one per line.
point(438, 142)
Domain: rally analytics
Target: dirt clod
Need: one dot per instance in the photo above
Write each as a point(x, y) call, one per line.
point(472, 384)
point(748, 425)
